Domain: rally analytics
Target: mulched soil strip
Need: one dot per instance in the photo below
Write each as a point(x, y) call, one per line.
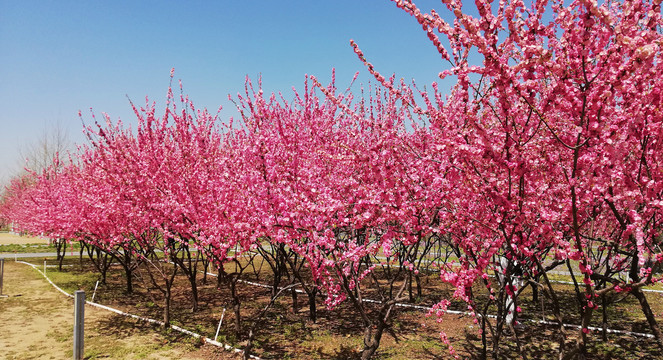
point(428, 308)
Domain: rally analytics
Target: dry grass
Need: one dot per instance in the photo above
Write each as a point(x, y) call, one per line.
point(7, 239)
point(37, 323)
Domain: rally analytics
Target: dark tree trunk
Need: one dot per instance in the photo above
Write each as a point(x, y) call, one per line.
point(188, 266)
point(100, 259)
point(313, 311)
point(644, 304)
point(372, 340)
point(604, 323)
point(124, 258)
point(651, 319)
point(166, 305)
point(205, 261)
point(80, 256)
point(238, 317)
point(293, 294)
point(60, 262)
point(129, 274)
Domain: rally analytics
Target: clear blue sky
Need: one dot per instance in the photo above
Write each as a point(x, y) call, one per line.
point(58, 57)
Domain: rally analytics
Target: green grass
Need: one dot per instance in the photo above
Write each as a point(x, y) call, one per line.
point(37, 248)
point(71, 281)
point(26, 248)
point(60, 335)
point(118, 350)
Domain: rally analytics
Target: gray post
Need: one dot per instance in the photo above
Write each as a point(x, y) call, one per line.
point(79, 322)
point(2, 273)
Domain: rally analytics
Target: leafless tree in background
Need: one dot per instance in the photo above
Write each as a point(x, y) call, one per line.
point(51, 148)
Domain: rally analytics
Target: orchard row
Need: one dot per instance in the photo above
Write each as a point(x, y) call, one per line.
point(545, 153)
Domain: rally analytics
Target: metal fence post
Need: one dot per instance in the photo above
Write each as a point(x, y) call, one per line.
point(2, 273)
point(79, 322)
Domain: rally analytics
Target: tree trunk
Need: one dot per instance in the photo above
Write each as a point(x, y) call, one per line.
point(644, 305)
point(313, 312)
point(60, 263)
point(191, 271)
point(651, 319)
point(581, 343)
point(205, 266)
point(238, 318)
point(293, 294)
point(194, 293)
point(417, 278)
point(604, 323)
point(276, 281)
point(236, 304)
point(219, 278)
point(101, 262)
point(80, 256)
point(166, 309)
point(372, 340)
point(59, 249)
point(129, 274)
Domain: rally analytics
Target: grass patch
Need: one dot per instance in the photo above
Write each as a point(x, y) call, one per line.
point(26, 248)
point(71, 281)
point(61, 335)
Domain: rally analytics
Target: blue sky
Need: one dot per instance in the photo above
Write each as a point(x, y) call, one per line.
point(59, 57)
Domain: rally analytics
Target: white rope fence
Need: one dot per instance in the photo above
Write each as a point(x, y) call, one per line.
point(402, 305)
point(457, 312)
point(174, 327)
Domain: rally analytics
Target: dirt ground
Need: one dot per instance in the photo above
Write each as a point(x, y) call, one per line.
point(7, 239)
point(37, 323)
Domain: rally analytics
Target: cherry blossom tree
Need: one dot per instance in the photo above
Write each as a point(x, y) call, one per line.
point(551, 133)
point(339, 181)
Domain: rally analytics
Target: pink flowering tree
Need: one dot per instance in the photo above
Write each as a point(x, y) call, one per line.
point(551, 133)
point(340, 182)
point(37, 204)
point(14, 195)
point(162, 189)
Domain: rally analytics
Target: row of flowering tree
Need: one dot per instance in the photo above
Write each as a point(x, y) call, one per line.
point(545, 154)
point(561, 129)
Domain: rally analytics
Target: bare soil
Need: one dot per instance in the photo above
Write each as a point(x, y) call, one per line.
point(37, 323)
point(282, 333)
